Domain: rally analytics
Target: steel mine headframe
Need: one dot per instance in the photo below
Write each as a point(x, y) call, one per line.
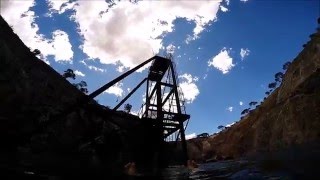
point(164, 105)
point(164, 102)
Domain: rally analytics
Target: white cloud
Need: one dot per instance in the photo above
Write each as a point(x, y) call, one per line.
point(55, 5)
point(230, 109)
point(244, 1)
point(189, 77)
point(227, 2)
point(59, 6)
point(205, 76)
point(121, 68)
point(188, 87)
point(62, 49)
point(223, 9)
point(191, 136)
point(79, 73)
point(240, 103)
point(170, 49)
point(96, 68)
point(22, 19)
point(92, 67)
point(222, 61)
point(130, 33)
point(244, 52)
point(115, 90)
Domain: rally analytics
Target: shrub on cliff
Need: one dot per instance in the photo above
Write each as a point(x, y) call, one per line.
point(127, 107)
point(69, 74)
point(272, 85)
point(245, 111)
point(82, 86)
point(286, 65)
point(278, 76)
point(253, 103)
point(36, 52)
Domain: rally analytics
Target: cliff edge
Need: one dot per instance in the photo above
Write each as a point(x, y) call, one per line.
point(288, 118)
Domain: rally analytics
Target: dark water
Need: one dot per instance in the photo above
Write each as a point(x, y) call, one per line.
point(217, 170)
point(240, 169)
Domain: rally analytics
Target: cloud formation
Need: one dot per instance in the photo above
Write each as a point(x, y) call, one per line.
point(94, 68)
point(191, 136)
point(230, 109)
point(170, 49)
point(222, 61)
point(79, 73)
point(22, 19)
point(244, 53)
point(130, 33)
point(115, 90)
point(188, 87)
point(224, 9)
point(240, 103)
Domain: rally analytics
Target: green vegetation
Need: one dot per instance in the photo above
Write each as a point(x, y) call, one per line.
point(278, 79)
point(82, 85)
point(69, 74)
point(36, 52)
point(127, 108)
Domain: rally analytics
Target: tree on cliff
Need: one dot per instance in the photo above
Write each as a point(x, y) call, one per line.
point(267, 93)
point(286, 65)
point(36, 52)
point(253, 103)
point(245, 111)
point(82, 86)
point(278, 76)
point(127, 107)
point(69, 74)
point(221, 127)
point(272, 85)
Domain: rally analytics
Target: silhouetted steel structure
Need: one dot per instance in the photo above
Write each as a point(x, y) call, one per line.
point(164, 103)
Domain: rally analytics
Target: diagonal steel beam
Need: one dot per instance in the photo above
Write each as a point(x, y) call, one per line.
point(127, 97)
point(113, 82)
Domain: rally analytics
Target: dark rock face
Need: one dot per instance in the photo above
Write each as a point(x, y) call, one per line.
point(33, 96)
point(289, 117)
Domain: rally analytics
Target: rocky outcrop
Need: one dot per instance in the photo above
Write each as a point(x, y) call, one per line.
point(289, 117)
point(36, 130)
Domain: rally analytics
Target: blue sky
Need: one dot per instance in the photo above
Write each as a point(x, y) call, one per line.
point(227, 52)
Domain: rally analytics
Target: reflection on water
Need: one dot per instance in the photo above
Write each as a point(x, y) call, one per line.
point(217, 170)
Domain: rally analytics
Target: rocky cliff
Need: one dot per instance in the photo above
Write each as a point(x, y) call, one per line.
point(289, 117)
point(36, 131)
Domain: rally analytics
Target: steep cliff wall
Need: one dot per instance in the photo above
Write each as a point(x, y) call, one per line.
point(30, 89)
point(90, 136)
point(289, 117)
